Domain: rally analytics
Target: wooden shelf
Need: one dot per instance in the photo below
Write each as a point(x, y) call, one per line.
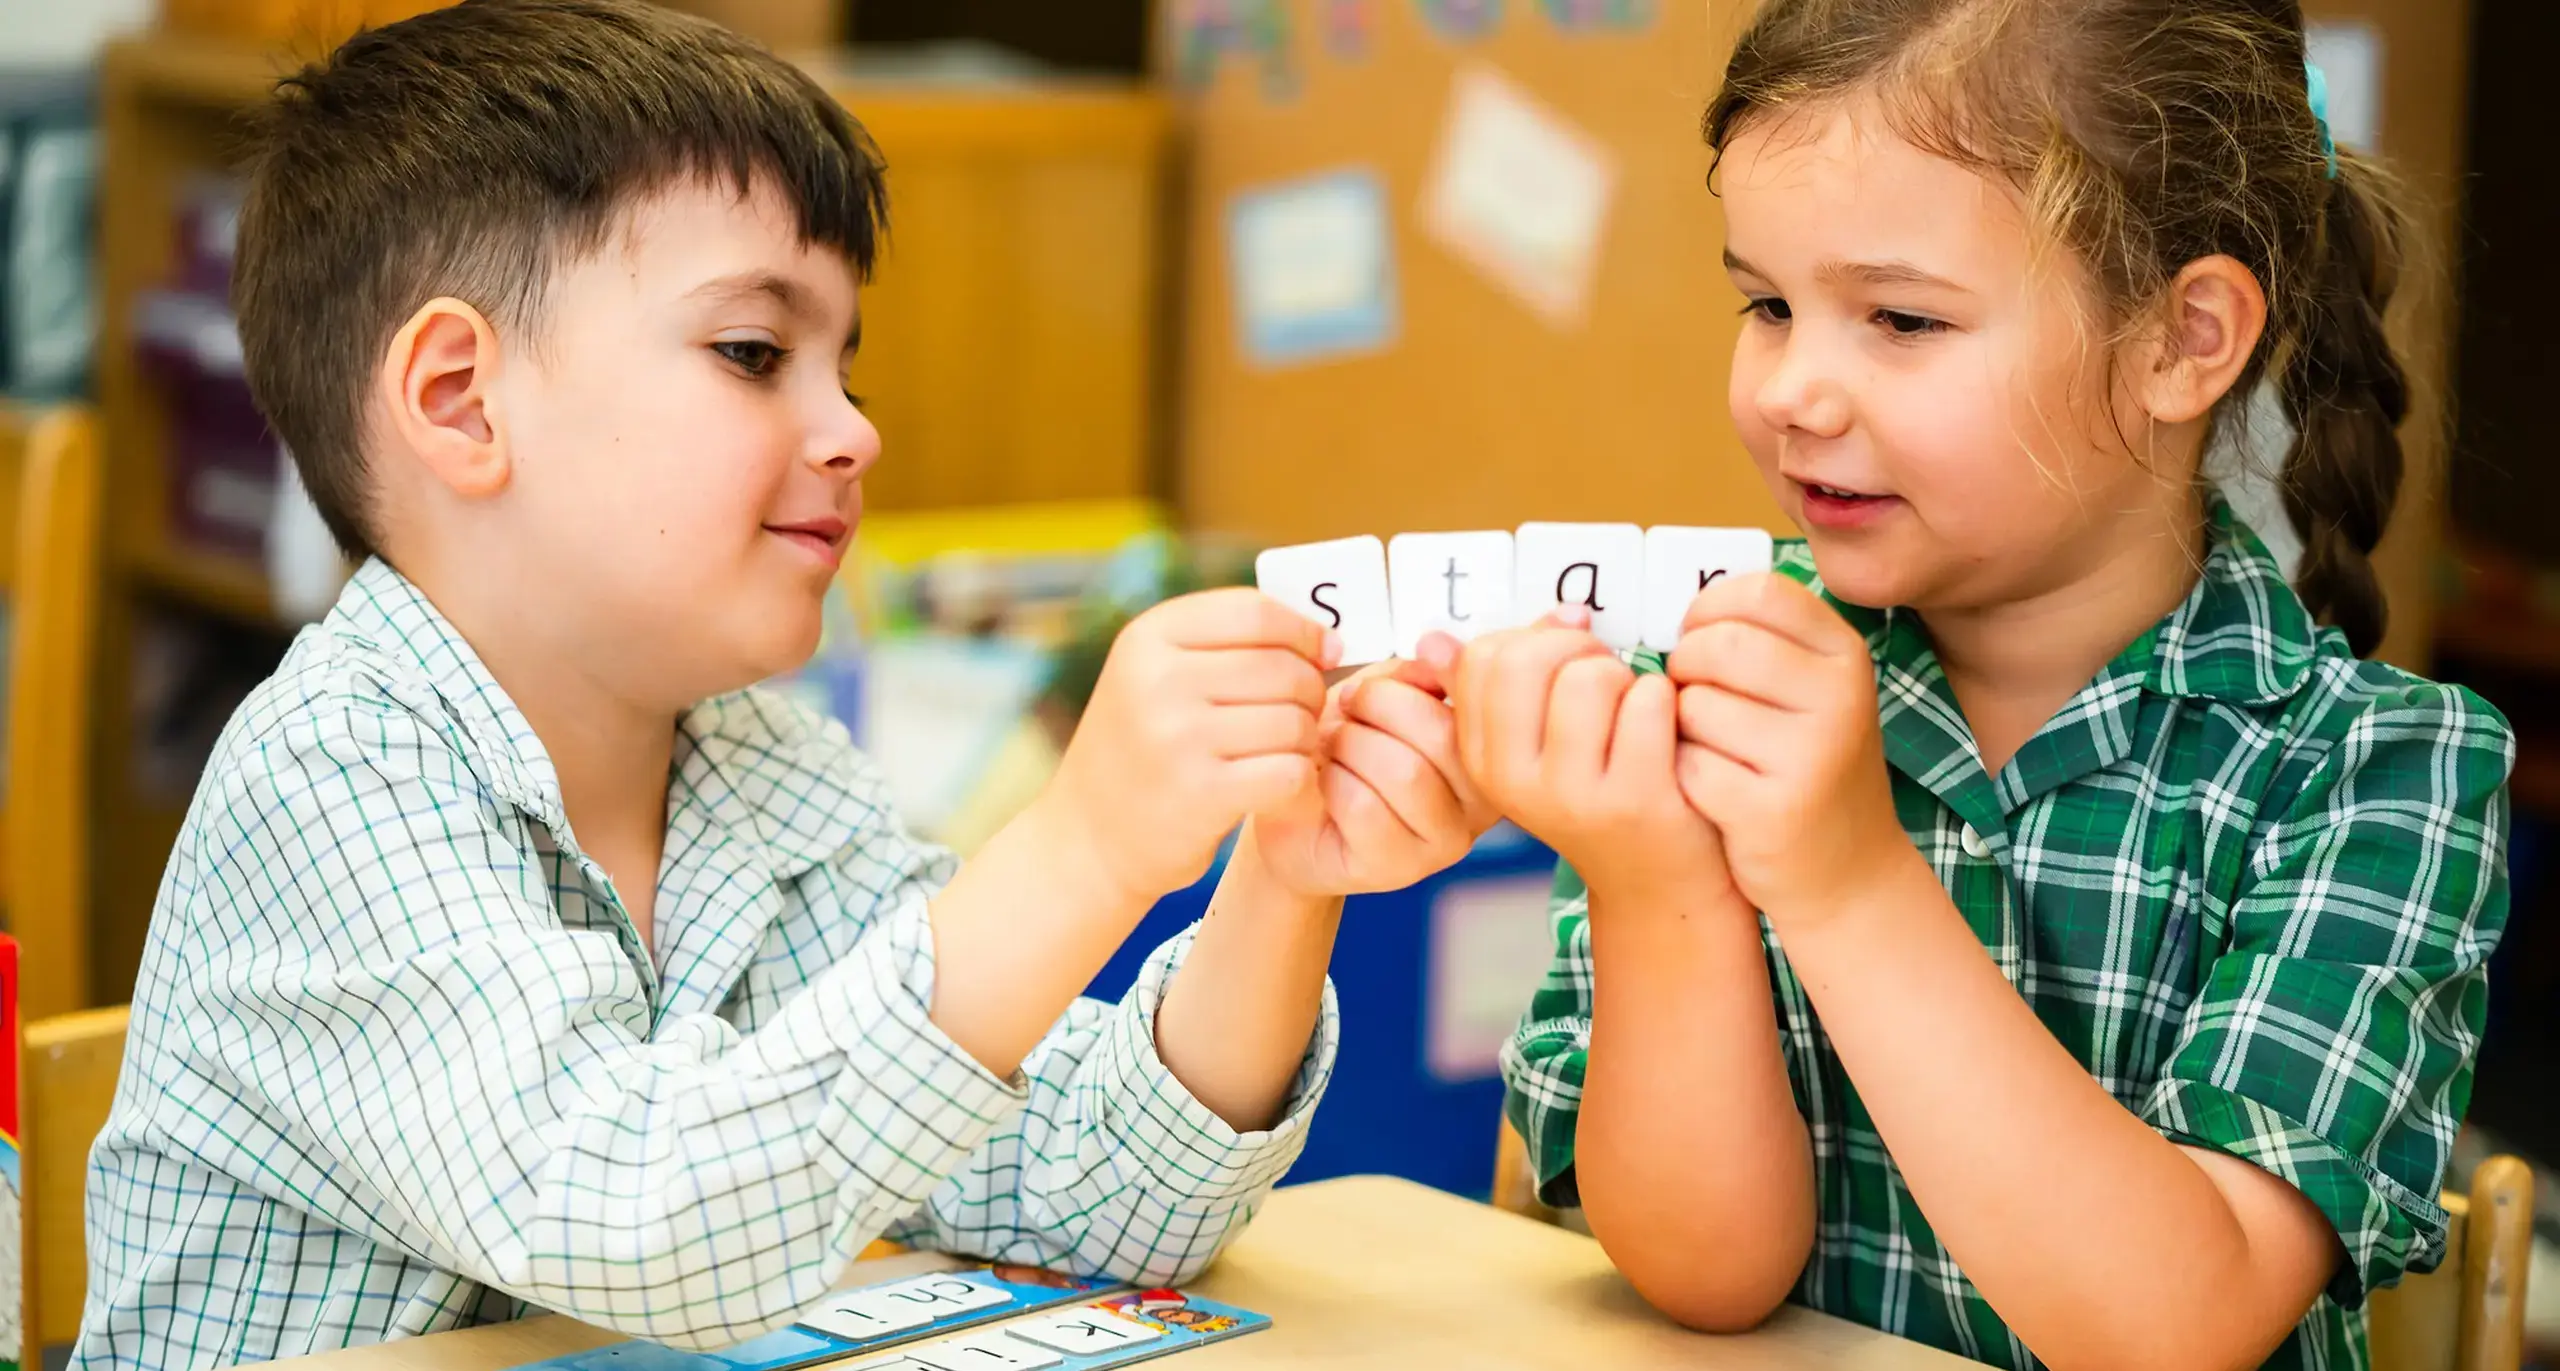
point(2493, 636)
point(227, 585)
point(196, 69)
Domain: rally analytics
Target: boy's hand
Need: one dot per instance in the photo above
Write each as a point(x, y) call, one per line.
point(1393, 804)
point(1578, 749)
point(1781, 745)
point(1206, 712)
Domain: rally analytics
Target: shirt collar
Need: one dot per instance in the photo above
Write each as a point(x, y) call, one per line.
point(2241, 637)
point(761, 769)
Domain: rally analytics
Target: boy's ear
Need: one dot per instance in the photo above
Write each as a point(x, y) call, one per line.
point(441, 373)
point(2217, 312)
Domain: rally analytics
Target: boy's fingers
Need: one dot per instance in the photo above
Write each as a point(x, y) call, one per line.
point(1254, 730)
point(1239, 616)
point(1254, 675)
point(1271, 782)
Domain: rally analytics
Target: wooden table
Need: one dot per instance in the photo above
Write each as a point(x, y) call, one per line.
point(1361, 1273)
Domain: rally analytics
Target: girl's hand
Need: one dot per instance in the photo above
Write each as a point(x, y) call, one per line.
point(1780, 746)
point(1577, 749)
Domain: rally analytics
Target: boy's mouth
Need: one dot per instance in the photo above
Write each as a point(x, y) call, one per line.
point(823, 538)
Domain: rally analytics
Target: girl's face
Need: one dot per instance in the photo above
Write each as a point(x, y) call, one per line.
point(1931, 404)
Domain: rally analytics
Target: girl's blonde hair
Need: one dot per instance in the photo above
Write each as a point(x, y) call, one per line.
point(2144, 135)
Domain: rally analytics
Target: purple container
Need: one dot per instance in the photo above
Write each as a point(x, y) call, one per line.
point(208, 235)
point(223, 464)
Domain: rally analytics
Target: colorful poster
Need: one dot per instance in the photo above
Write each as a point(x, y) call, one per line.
point(1313, 267)
point(1599, 16)
point(1520, 194)
point(1462, 20)
point(1207, 31)
point(1349, 28)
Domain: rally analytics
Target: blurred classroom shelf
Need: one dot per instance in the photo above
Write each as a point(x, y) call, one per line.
point(1012, 339)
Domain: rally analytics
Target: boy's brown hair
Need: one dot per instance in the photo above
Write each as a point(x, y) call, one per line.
point(471, 152)
point(2145, 135)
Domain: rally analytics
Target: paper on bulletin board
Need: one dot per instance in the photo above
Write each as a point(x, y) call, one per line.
point(1520, 194)
point(1313, 267)
point(2350, 55)
point(1205, 31)
point(1462, 20)
point(1600, 16)
point(1350, 26)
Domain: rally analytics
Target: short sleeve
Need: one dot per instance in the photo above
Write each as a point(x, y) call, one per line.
point(2333, 1040)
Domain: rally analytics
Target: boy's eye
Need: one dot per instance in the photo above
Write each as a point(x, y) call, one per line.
point(1908, 325)
point(753, 356)
point(1769, 309)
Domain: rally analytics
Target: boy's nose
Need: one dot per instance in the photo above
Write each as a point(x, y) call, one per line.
point(851, 446)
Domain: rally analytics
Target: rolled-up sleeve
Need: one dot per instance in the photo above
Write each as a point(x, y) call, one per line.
point(2333, 1041)
point(1114, 1168)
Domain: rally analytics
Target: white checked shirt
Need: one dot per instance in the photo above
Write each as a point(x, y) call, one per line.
point(399, 1063)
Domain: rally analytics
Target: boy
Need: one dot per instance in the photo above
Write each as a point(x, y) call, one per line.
point(515, 955)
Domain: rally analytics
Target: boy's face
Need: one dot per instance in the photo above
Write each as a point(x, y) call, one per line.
point(687, 465)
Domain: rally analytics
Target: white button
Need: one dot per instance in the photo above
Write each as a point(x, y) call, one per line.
point(1974, 844)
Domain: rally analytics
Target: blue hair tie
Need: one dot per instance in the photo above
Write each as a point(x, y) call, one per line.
point(2318, 81)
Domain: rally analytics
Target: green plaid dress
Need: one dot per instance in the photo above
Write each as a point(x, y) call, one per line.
point(2251, 882)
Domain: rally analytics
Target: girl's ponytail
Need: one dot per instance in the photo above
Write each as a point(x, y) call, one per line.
point(2345, 393)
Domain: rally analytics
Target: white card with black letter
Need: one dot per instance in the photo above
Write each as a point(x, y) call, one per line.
point(1599, 565)
point(861, 1315)
point(1341, 585)
point(1453, 583)
point(1089, 1330)
point(1680, 562)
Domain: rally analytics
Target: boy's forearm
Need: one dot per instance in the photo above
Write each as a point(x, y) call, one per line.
point(2095, 1238)
point(1020, 932)
point(1693, 1162)
point(1236, 1021)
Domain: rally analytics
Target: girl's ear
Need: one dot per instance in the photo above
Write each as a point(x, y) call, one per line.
point(2216, 313)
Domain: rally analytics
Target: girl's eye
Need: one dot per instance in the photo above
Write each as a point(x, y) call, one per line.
point(1908, 325)
point(856, 400)
point(752, 356)
point(1769, 309)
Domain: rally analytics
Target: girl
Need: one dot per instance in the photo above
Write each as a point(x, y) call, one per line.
point(2024, 924)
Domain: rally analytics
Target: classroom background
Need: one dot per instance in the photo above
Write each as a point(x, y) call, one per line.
point(1169, 281)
